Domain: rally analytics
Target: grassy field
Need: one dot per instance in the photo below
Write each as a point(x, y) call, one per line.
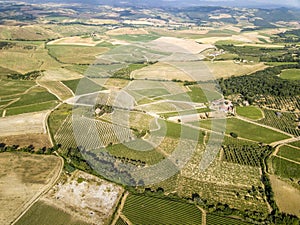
point(86, 86)
point(284, 168)
point(247, 130)
point(84, 54)
point(289, 153)
point(250, 112)
point(34, 96)
point(23, 176)
point(220, 220)
point(31, 108)
point(292, 74)
point(141, 210)
point(296, 144)
point(198, 94)
point(229, 68)
point(14, 87)
point(25, 57)
point(42, 213)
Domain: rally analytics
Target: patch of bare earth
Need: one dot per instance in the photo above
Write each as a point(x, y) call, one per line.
point(127, 30)
point(85, 197)
point(23, 178)
point(287, 197)
point(29, 123)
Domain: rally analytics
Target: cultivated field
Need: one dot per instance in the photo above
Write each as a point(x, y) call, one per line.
point(29, 123)
point(46, 214)
point(57, 88)
point(247, 130)
point(289, 152)
point(23, 178)
point(140, 210)
point(250, 112)
point(292, 74)
point(126, 30)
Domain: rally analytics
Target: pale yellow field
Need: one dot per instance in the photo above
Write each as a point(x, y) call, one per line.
point(29, 123)
point(249, 37)
point(126, 30)
point(229, 68)
point(287, 197)
point(24, 60)
point(160, 70)
point(75, 41)
point(59, 75)
point(24, 177)
point(171, 44)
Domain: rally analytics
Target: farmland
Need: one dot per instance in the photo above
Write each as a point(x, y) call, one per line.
point(152, 114)
point(285, 121)
point(248, 131)
point(50, 214)
point(23, 178)
point(65, 53)
point(289, 153)
point(292, 74)
point(140, 210)
point(250, 112)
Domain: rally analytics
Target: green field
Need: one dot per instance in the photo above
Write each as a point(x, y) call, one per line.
point(31, 108)
point(250, 112)
point(198, 94)
point(147, 210)
point(149, 157)
point(34, 96)
point(120, 222)
point(86, 86)
point(289, 153)
point(292, 74)
point(137, 37)
point(186, 112)
point(285, 168)
point(220, 220)
point(43, 214)
point(247, 130)
point(14, 87)
point(296, 144)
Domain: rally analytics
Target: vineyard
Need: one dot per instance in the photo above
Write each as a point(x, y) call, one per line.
point(149, 210)
point(214, 219)
point(284, 121)
point(250, 155)
point(289, 153)
point(120, 221)
point(84, 131)
point(291, 103)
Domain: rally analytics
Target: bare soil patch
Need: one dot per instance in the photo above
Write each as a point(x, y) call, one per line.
point(59, 75)
point(29, 123)
point(85, 197)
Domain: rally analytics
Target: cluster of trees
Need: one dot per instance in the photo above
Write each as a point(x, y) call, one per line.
point(27, 76)
point(264, 82)
point(29, 148)
point(291, 36)
point(104, 109)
